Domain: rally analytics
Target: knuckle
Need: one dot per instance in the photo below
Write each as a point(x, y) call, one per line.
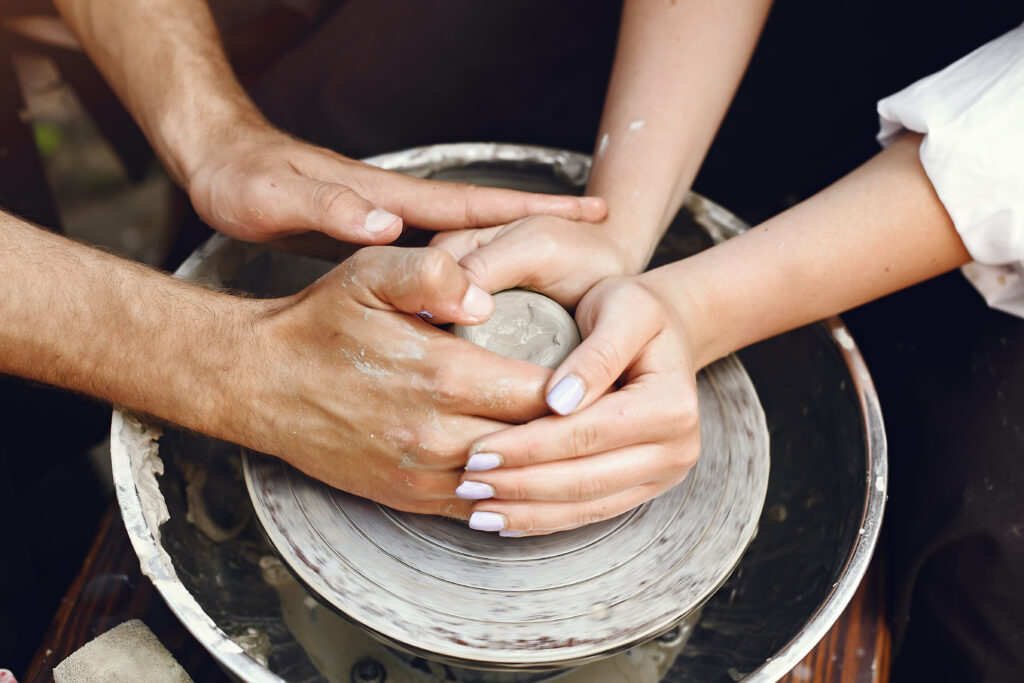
point(476, 266)
point(332, 199)
point(589, 488)
point(523, 519)
point(442, 385)
point(682, 414)
point(434, 267)
point(604, 360)
point(470, 195)
point(513, 490)
point(682, 457)
point(592, 514)
point(365, 255)
point(585, 438)
point(441, 449)
point(545, 241)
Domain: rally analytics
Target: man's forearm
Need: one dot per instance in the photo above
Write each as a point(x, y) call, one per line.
point(878, 230)
point(166, 63)
point(79, 318)
point(677, 66)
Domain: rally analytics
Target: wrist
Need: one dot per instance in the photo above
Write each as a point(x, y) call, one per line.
point(687, 304)
point(201, 372)
point(226, 373)
point(636, 222)
point(187, 139)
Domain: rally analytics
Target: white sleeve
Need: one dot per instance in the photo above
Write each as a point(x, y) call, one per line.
point(972, 116)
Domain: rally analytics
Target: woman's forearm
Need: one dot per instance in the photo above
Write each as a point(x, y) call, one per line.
point(877, 230)
point(676, 68)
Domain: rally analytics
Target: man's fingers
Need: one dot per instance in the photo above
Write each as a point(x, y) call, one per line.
point(460, 375)
point(426, 282)
point(440, 205)
point(302, 203)
point(479, 382)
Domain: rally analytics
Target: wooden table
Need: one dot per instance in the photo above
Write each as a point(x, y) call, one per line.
point(111, 589)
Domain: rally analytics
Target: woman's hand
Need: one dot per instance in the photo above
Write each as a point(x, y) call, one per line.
point(603, 453)
point(258, 184)
point(558, 257)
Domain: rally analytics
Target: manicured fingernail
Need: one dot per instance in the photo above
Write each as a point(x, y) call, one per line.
point(378, 220)
point(474, 490)
point(477, 302)
point(486, 521)
point(426, 314)
point(481, 462)
point(511, 534)
point(566, 395)
point(592, 202)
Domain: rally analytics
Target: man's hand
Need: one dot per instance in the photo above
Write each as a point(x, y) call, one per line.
point(247, 179)
point(603, 453)
point(258, 184)
point(560, 258)
point(344, 385)
point(335, 379)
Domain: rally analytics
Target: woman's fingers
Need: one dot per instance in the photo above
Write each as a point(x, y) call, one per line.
point(650, 410)
point(458, 243)
point(617, 322)
point(589, 478)
point(519, 518)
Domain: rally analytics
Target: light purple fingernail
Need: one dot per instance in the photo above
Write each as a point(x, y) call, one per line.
point(378, 220)
point(486, 521)
point(481, 462)
point(426, 314)
point(511, 534)
point(474, 490)
point(566, 395)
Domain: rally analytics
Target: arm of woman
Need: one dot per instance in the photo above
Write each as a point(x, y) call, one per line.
point(676, 68)
point(879, 229)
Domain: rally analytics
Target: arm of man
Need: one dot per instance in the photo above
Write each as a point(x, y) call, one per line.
point(245, 178)
point(336, 379)
point(677, 66)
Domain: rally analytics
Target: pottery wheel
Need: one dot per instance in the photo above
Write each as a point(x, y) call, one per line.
point(433, 587)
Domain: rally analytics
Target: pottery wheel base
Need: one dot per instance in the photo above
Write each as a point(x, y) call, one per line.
point(434, 588)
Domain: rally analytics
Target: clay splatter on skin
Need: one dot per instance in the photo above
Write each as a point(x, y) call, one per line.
point(636, 125)
point(603, 147)
point(366, 367)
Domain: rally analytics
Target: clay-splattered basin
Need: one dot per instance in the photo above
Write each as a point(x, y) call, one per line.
point(193, 530)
